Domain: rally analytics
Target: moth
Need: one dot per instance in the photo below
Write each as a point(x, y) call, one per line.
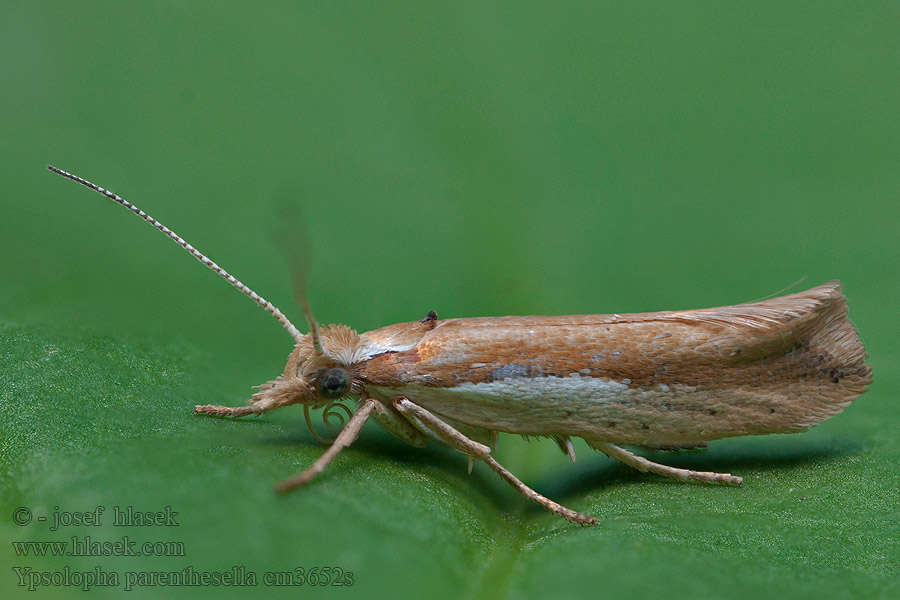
point(662, 380)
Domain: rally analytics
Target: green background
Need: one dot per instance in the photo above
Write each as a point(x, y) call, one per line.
point(475, 159)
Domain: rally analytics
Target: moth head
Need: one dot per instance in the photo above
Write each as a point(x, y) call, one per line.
point(316, 380)
point(326, 361)
point(320, 377)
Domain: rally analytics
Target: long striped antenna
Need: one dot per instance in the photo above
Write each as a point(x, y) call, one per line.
point(271, 308)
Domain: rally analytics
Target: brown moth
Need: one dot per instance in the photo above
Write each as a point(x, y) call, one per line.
point(674, 379)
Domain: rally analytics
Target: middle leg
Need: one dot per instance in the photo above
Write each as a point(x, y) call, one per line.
point(433, 426)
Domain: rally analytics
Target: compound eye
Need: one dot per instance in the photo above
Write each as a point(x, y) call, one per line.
point(333, 383)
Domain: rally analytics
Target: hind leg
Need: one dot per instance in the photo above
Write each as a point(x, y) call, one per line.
point(642, 464)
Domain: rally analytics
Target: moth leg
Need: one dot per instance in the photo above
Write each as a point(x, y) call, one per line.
point(230, 411)
point(481, 435)
point(394, 423)
point(642, 464)
point(272, 395)
point(346, 437)
point(432, 425)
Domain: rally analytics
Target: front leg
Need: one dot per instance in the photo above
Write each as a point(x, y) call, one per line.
point(346, 437)
point(431, 425)
point(272, 395)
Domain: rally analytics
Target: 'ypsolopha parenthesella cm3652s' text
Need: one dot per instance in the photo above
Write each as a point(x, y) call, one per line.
point(668, 380)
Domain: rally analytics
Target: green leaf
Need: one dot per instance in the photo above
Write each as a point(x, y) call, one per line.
point(88, 422)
